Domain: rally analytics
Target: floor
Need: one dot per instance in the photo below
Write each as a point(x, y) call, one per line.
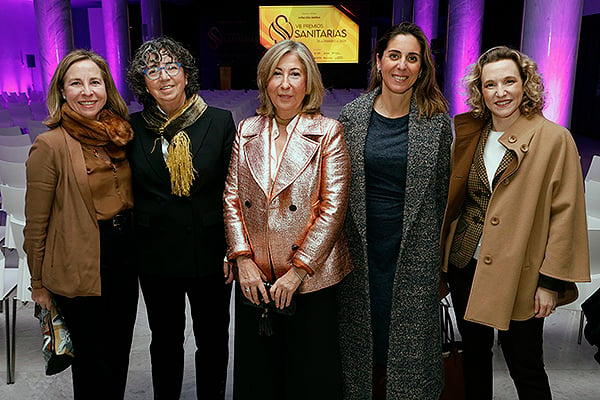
point(573, 372)
point(571, 367)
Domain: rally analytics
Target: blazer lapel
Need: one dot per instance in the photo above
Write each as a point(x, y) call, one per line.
point(198, 132)
point(298, 153)
point(152, 149)
point(256, 150)
point(80, 172)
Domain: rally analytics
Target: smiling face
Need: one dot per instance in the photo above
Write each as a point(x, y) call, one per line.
point(502, 89)
point(287, 86)
point(167, 90)
point(400, 64)
point(84, 89)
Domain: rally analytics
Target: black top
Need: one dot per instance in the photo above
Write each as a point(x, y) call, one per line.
point(385, 177)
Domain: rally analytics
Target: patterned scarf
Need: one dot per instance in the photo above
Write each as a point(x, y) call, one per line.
point(109, 131)
point(179, 159)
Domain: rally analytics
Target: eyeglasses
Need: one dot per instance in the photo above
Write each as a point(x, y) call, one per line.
point(172, 69)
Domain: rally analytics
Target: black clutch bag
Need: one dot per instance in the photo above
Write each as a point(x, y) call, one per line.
point(270, 306)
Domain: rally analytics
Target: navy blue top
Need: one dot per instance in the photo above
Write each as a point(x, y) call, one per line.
point(385, 177)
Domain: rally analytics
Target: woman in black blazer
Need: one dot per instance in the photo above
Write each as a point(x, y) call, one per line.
point(179, 159)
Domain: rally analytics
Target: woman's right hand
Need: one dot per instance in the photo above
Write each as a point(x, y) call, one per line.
point(251, 280)
point(43, 297)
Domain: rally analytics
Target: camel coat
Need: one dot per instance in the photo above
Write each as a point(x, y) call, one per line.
point(415, 355)
point(535, 222)
point(62, 239)
point(299, 218)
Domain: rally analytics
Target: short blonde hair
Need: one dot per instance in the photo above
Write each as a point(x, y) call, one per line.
point(314, 84)
point(55, 100)
point(533, 88)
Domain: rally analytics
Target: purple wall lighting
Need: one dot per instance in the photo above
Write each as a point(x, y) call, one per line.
point(550, 37)
point(55, 34)
point(465, 19)
point(426, 17)
point(117, 42)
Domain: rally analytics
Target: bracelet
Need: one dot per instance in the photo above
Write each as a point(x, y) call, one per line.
point(297, 274)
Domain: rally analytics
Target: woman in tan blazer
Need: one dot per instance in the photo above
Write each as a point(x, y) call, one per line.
point(285, 203)
point(514, 233)
point(78, 222)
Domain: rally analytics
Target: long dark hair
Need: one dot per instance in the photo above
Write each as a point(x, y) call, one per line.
point(428, 95)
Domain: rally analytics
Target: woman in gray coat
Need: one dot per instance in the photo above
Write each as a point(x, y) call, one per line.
point(399, 138)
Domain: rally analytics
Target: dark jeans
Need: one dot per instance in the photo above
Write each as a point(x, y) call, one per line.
point(299, 361)
point(522, 346)
point(101, 327)
point(209, 306)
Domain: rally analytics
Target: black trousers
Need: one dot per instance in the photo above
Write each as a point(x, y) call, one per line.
point(209, 306)
point(299, 361)
point(522, 346)
point(101, 327)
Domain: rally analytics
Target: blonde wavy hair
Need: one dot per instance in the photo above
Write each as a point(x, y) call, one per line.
point(534, 96)
point(314, 83)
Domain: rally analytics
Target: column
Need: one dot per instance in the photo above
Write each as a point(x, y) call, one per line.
point(151, 19)
point(55, 35)
point(402, 11)
point(116, 32)
point(465, 20)
point(550, 36)
point(426, 17)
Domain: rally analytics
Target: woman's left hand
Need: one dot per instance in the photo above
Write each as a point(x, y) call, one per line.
point(284, 288)
point(545, 302)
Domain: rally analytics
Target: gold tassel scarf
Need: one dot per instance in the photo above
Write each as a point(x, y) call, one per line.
point(179, 159)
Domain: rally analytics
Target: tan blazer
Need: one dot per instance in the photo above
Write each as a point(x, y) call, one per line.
point(62, 240)
point(299, 218)
point(535, 221)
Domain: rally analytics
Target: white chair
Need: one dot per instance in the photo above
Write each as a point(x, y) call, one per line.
point(34, 128)
point(12, 174)
point(586, 289)
point(21, 140)
point(13, 202)
point(16, 154)
point(593, 173)
point(11, 131)
point(592, 198)
point(38, 110)
point(5, 118)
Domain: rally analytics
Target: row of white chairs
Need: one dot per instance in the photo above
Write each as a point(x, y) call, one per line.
point(592, 199)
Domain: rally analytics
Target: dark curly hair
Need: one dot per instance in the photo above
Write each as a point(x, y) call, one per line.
point(151, 53)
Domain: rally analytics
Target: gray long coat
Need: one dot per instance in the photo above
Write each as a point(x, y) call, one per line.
point(414, 358)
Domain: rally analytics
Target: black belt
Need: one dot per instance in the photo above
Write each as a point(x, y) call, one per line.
point(121, 222)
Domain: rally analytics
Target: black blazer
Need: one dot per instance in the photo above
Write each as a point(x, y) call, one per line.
point(181, 236)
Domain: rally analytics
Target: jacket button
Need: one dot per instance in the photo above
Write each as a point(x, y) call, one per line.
point(512, 139)
point(293, 208)
point(487, 259)
point(295, 247)
point(495, 220)
point(524, 148)
point(247, 203)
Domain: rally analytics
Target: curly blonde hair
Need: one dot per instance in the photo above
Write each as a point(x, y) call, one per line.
point(534, 96)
